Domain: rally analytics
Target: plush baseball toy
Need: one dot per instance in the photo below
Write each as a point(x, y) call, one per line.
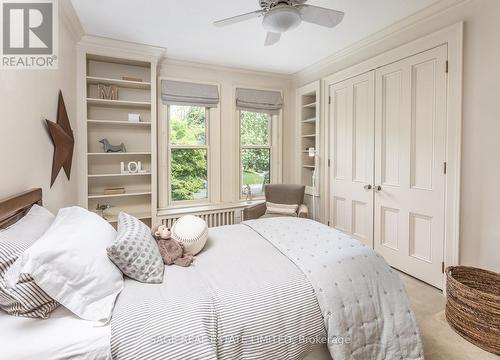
point(171, 250)
point(192, 232)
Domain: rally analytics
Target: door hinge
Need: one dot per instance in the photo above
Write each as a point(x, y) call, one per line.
point(445, 167)
point(447, 66)
point(328, 162)
point(329, 99)
point(328, 223)
point(442, 267)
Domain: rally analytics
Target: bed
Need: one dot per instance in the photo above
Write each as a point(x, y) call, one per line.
point(282, 288)
point(62, 336)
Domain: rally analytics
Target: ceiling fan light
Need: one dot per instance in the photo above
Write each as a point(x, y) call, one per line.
point(282, 19)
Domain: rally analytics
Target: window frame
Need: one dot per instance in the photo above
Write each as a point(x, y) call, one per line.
point(276, 155)
point(212, 128)
point(171, 147)
point(242, 147)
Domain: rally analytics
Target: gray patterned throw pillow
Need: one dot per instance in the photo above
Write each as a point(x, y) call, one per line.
point(136, 252)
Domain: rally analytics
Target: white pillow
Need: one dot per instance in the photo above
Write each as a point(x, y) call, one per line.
point(281, 209)
point(26, 298)
point(30, 227)
point(192, 232)
point(69, 262)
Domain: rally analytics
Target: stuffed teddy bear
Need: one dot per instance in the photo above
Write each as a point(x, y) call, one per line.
point(171, 250)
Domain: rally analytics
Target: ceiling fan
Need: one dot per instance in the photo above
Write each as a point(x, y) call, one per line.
point(280, 16)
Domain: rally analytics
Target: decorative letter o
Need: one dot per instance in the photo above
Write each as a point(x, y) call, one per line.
point(133, 167)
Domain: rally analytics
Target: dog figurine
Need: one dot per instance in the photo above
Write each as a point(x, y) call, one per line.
point(112, 148)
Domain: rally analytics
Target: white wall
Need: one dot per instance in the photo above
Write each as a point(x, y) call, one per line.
point(228, 78)
point(26, 98)
point(480, 179)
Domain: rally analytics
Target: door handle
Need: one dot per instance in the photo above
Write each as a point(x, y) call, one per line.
point(367, 187)
point(377, 188)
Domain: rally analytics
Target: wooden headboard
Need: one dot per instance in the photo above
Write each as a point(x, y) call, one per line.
point(15, 207)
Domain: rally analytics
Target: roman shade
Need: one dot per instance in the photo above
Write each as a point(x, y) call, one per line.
point(186, 93)
point(259, 100)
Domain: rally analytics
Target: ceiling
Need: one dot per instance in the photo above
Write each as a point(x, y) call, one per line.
point(185, 28)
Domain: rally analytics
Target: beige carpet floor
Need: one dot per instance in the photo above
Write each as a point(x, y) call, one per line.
point(440, 341)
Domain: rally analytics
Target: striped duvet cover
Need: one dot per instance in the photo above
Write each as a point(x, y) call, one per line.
point(269, 289)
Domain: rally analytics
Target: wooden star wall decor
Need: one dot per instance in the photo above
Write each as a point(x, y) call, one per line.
point(63, 140)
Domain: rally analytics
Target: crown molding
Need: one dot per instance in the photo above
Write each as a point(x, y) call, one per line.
point(68, 15)
point(432, 11)
point(168, 61)
point(98, 44)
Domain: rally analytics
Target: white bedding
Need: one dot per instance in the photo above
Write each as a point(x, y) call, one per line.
point(241, 299)
point(268, 280)
point(62, 336)
point(259, 289)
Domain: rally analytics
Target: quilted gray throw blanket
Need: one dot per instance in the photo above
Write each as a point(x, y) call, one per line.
point(269, 289)
point(361, 298)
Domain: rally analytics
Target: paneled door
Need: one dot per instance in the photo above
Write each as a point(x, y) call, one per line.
point(352, 111)
point(410, 155)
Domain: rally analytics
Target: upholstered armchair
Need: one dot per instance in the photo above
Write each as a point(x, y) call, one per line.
point(279, 194)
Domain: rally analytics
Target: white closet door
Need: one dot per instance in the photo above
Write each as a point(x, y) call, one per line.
point(352, 144)
point(410, 151)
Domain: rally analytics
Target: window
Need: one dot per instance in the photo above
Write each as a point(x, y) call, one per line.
point(205, 159)
point(256, 150)
point(189, 151)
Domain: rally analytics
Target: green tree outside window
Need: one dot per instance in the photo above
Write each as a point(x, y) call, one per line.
point(189, 166)
point(189, 151)
point(255, 153)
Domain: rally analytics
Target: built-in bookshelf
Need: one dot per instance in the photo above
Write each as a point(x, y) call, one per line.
point(308, 126)
point(134, 78)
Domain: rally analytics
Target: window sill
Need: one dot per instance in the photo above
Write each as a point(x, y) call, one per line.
point(208, 207)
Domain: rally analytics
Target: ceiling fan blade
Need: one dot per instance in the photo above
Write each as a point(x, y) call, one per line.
point(320, 16)
point(272, 38)
point(239, 18)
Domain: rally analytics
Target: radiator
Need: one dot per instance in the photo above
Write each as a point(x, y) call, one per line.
point(213, 218)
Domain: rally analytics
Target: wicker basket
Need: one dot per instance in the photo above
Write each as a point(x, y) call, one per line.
point(473, 305)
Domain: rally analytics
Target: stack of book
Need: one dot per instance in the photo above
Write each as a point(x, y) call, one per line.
point(130, 78)
point(114, 190)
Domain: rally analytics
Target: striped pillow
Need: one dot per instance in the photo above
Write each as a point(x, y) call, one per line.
point(26, 299)
point(281, 209)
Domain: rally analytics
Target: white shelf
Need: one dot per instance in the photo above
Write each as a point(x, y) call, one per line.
point(308, 121)
point(119, 82)
point(105, 118)
point(120, 153)
point(118, 103)
point(310, 106)
point(117, 175)
point(111, 59)
point(118, 123)
point(126, 194)
point(140, 216)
